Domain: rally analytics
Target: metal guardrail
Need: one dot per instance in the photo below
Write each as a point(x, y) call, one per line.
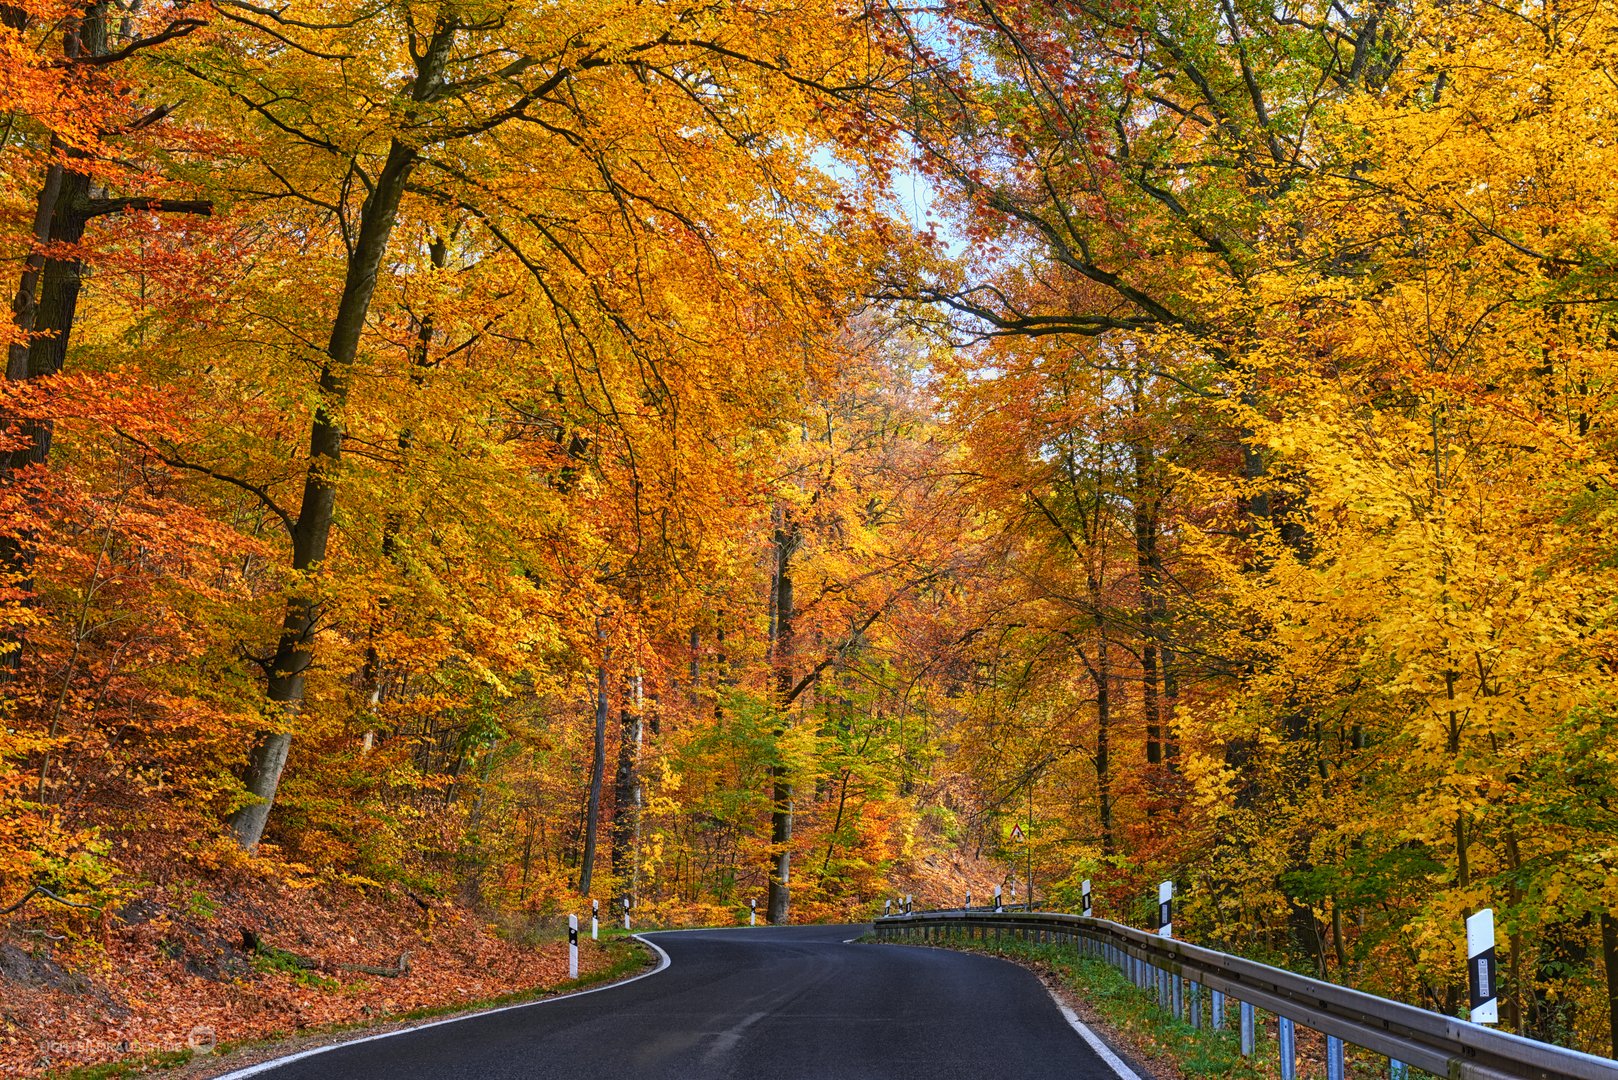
point(1179, 972)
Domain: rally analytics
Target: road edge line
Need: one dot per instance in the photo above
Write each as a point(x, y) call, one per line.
point(1103, 1051)
point(262, 1067)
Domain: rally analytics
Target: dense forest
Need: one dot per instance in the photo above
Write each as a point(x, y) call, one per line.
point(713, 451)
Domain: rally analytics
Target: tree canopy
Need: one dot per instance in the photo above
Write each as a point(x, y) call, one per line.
point(702, 452)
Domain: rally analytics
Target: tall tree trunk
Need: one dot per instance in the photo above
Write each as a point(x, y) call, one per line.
point(1171, 685)
point(16, 552)
point(1254, 505)
point(626, 789)
point(473, 856)
point(598, 769)
point(1145, 542)
point(294, 651)
point(50, 319)
point(696, 665)
point(721, 667)
point(25, 303)
point(778, 909)
point(1609, 955)
point(1103, 680)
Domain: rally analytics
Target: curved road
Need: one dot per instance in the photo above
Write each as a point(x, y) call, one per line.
point(751, 1004)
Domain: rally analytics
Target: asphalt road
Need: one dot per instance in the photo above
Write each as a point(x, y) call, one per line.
point(754, 1004)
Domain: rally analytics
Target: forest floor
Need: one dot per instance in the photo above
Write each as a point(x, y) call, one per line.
point(193, 964)
point(940, 877)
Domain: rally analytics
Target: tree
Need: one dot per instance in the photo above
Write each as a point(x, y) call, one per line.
point(471, 76)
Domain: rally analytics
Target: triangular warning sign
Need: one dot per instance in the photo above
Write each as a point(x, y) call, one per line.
point(1016, 834)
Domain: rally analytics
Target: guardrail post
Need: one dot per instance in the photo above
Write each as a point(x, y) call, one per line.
point(1249, 1038)
point(1179, 997)
point(1289, 1049)
point(1216, 1011)
point(1196, 1005)
point(1334, 1058)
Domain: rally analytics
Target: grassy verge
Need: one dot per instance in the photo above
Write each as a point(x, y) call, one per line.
point(626, 955)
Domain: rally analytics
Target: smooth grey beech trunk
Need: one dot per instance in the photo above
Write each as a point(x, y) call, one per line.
point(779, 908)
point(294, 652)
point(598, 768)
point(47, 296)
point(626, 788)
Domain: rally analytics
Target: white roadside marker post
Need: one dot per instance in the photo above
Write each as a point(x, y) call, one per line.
point(910, 903)
point(968, 900)
point(1167, 993)
point(752, 913)
point(998, 906)
point(1088, 911)
point(1480, 967)
point(573, 946)
point(626, 913)
point(887, 908)
point(595, 922)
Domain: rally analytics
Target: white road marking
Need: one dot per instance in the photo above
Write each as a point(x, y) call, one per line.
point(264, 1067)
point(1103, 1051)
point(726, 1041)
